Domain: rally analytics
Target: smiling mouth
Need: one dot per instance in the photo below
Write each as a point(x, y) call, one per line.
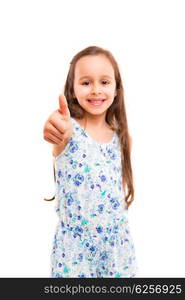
point(96, 102)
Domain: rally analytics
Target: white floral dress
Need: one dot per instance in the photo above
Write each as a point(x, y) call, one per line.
point(92, 237)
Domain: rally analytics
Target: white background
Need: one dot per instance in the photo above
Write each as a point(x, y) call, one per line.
point(38, 39)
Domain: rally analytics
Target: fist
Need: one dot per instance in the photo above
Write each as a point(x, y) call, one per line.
point(58, 127)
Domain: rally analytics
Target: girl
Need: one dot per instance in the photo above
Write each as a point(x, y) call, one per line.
point(92, 171)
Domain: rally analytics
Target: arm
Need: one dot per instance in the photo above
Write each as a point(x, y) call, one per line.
point(57, 149)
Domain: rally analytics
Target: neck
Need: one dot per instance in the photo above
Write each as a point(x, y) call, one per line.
point(96, 122)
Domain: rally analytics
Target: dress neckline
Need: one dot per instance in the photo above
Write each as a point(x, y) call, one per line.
point(89, 136)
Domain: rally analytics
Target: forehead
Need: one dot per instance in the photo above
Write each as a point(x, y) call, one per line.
point(94, 66)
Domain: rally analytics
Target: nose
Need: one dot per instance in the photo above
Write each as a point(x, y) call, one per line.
point(96, 89)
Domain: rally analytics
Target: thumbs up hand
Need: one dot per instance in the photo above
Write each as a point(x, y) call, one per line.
point(58, 128)
point(63, 110)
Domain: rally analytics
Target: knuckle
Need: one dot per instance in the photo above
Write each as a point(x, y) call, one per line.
point(45, 131)
point(52, 119)
point(64, 128)
point(45, 138)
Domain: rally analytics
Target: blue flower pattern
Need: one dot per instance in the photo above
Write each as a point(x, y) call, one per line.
point(92, 237)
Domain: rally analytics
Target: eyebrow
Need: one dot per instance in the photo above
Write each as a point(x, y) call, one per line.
point(86, 76)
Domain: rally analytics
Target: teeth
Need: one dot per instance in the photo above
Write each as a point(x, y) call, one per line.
point(99, 102)
point(96, 101)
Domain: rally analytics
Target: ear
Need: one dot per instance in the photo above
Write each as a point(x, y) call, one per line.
point(115, 93)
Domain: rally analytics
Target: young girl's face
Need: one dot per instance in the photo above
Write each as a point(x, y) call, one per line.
point(94, 84)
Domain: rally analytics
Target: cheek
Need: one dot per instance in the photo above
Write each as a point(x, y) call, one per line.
point(80, 91)
point(112, 100)
point(111, 92)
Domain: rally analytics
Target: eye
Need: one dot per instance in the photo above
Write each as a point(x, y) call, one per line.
point(85, 83)
point(105, 82)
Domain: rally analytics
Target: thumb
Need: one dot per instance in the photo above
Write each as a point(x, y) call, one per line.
point(63, 107)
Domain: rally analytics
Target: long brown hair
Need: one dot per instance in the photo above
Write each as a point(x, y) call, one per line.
point(115, 116)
